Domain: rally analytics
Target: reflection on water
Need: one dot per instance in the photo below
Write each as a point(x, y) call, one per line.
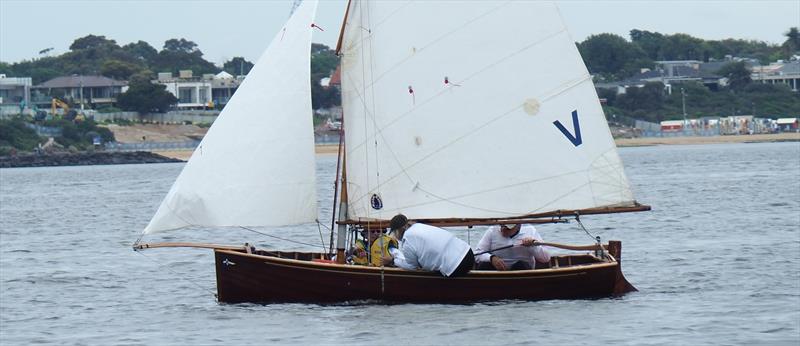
point(716, 261)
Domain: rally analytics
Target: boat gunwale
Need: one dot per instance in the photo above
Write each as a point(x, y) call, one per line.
point(357, 269)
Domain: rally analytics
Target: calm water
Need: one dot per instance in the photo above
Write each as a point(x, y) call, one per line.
point(717, 262)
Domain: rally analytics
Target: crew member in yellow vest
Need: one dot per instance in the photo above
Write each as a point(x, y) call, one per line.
point(379, 245)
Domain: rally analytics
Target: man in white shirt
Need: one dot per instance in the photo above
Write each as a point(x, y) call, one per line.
point(523, 255)
point(430, 248)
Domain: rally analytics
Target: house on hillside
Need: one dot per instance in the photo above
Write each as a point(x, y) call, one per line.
point(209, 91)
point(15, 93)
point(671, 72)
point(779, 73)
point(86, 92)
point(223, 86)
point(334, 114)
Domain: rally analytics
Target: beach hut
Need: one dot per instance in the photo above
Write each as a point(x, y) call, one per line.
point(787, 124)
point(671, 125)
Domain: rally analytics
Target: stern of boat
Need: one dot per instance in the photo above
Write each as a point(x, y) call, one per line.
point(621, 285)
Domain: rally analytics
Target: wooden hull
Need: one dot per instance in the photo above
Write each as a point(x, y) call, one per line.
point(243, 277)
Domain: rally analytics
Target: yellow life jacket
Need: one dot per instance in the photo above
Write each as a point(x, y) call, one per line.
point(380, 248)
point(360, 245)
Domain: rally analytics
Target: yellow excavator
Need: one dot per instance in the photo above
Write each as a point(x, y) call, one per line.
point(56, 103)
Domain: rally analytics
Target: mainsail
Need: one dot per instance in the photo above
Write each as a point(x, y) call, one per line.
point(475, 109)
point(255, 167)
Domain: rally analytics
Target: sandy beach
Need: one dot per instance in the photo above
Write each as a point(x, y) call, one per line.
point(322, 149)
point(646, 141)
point(328, 149)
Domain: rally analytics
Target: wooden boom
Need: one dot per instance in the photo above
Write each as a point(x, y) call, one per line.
point(194, 245)
point(555, 216)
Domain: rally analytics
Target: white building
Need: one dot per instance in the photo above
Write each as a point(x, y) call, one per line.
point(191, 92)
point(15, 91)
point(206, 92)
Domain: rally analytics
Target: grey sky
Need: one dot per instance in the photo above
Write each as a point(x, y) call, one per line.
point(224, 29)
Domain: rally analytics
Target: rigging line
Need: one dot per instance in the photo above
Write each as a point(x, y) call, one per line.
point(374, 121)
point(358, 43)
point(558, 89)
point(276, 237)
point(594, 238)
point(365, 91)
point(178, 275)
point(321, 239)
point(138, 239)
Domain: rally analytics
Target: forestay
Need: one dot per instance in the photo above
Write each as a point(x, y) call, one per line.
point(255, 167)
point(471, 109)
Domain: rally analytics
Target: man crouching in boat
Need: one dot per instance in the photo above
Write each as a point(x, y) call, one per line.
point(517, 251)
point(378, 244)
point(430, 248)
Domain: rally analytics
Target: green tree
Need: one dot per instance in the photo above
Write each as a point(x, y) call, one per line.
point(322, 97)
point(737, 73)
point(684, 47)
point(237, 66)
point(92, 41)
point(180, 54)
point(14, 133)
point(119, 69)
point(649, 42)
point(323, 62)
point(648, 98)
point(141, 50)
point(146, 97)
point(792, 43)
point(180, 45)
point(612, 56)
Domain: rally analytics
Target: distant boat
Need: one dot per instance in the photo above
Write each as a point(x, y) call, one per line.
point(476, 113)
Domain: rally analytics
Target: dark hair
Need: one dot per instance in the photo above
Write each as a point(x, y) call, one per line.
point(398, 221)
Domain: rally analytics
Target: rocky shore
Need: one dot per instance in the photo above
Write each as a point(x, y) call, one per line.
point(81, 159)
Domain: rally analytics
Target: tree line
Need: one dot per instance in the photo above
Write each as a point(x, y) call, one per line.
point(607, 56)
point(139, 62)
point(613, 57)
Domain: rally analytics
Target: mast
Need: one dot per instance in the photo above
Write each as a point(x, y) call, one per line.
point(335, 190)
point(341, 31)
point(342, 229)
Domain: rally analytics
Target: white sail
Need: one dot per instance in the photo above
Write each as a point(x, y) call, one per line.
point(255, 167)
point(465, 109)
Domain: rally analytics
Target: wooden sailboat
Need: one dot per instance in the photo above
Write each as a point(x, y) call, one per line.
point(467, 114)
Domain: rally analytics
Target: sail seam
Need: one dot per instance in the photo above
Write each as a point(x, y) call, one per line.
point(404, 169)
point(558, 89)
point(440, 38)
point(589, 182)
point(359, 43)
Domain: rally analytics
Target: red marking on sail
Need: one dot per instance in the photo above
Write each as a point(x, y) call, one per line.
point(447, 82)
point(411, 91)
point(317, 26)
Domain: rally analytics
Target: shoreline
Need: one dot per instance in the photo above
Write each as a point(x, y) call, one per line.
point(332, 149)
point(159, 156)
point(758, 138)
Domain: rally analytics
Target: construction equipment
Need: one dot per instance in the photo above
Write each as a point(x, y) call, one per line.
point(70, 115)
point(58, 103)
